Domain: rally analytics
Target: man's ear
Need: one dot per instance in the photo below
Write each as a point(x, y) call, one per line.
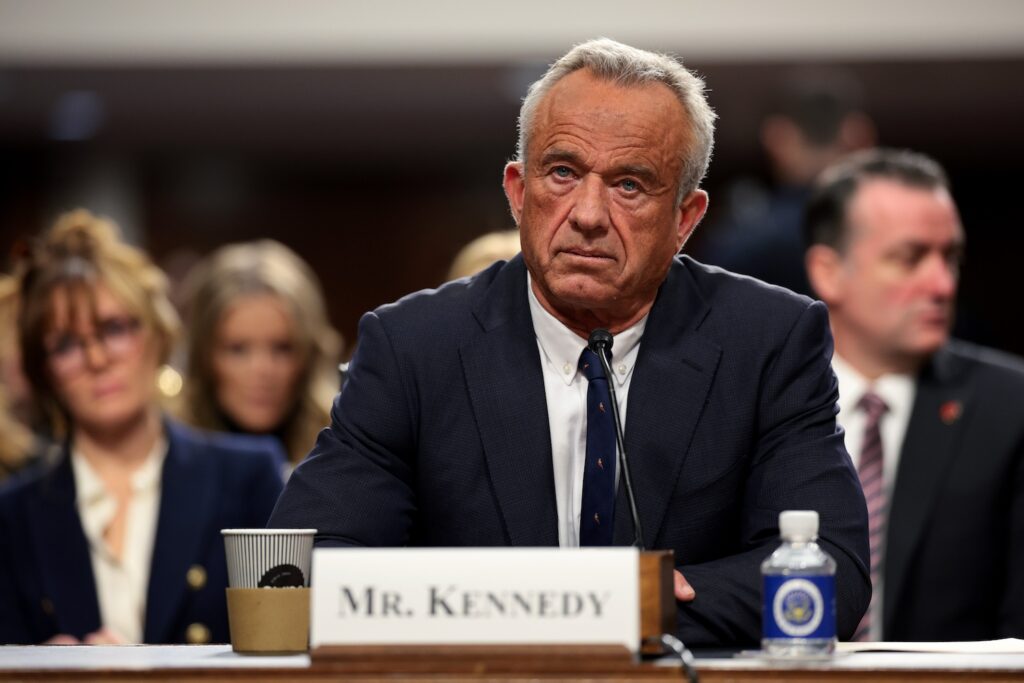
point(824, 272)
point(514, 183)
point(691, 210)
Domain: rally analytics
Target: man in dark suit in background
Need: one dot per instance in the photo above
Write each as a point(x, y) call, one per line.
point(935, 426)
point(465, 420)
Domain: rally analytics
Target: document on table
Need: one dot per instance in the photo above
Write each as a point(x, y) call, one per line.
point(137, 658)
point(1006, 646)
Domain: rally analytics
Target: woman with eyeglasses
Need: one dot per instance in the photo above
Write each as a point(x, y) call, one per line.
point(117, 540)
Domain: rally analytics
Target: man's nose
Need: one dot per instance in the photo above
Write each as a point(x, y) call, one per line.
point(590, 205)
point(942, 277)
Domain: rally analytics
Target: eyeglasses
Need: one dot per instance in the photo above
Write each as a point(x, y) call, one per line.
point(117, 335)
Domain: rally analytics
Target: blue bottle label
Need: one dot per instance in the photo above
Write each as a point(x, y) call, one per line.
point(799, 607)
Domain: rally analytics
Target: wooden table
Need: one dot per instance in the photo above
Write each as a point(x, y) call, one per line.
point(218, 662)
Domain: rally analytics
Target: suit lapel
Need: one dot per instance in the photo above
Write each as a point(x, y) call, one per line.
point(670, 384)
point(928, 449)
point(63, 553)
point(513, 421)
point(186, 499)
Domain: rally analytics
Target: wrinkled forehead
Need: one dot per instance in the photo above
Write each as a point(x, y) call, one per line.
point(583, 94)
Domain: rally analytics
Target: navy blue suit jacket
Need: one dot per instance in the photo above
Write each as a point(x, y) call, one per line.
point(954, 565)
point(440, 437)
point(209, 482)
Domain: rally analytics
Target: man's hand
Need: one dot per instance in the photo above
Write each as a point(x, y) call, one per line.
point(684, 591)
point(103, 636)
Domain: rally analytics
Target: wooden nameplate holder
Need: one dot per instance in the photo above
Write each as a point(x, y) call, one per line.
point(657, 616)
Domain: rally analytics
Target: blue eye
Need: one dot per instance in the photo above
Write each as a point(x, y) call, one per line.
point(630, 185)
point(562, 171)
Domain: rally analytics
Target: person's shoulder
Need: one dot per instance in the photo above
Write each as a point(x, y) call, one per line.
point(454, 295)
point(219, 449)
point(29, 482)
point(449, 313)
point(992, 367)
point(731, 295)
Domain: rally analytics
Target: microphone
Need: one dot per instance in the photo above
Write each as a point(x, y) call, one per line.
point(600, 343)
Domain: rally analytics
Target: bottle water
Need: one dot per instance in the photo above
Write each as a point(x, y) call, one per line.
point(799, 591)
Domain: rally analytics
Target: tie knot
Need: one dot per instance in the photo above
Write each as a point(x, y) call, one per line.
point(590, 365)
point(873, 405)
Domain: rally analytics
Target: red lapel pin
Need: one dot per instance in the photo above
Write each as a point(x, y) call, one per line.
point(950, 411)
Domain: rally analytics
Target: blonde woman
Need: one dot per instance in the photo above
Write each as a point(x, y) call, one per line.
point(483, 251)
point(17, 443)
point(119, 541)
point(262, 356)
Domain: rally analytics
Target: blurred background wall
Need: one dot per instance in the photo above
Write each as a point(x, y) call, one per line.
point(370, 136)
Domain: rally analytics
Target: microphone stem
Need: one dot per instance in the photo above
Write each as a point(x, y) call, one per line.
point(638, 538)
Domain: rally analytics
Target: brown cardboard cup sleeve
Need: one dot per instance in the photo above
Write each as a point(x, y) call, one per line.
point(269, 620)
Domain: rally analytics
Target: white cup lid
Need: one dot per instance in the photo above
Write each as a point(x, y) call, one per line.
point(268, 532)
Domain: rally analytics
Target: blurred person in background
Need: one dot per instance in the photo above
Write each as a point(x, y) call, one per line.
point(262, 355)
point(119, 540)
point(935, 425)
point(816, 118)
point(17, 444)
point(483, 251)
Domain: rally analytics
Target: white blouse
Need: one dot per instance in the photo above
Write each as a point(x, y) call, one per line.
point(121, 584)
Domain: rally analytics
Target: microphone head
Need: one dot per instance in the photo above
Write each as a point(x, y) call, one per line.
point(600, 338)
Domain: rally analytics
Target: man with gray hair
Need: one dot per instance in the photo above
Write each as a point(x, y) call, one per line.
point(477, 414)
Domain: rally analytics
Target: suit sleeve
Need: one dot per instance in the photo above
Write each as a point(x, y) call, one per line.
point(799, 463)
point(1011, 612)
point(265, 483)
point(15, 625)
point(356, 486)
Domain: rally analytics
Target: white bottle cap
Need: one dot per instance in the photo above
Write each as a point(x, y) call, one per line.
point(798, 526)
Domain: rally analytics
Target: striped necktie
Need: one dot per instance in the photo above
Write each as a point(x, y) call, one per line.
point(870, 471)
point(597, 508)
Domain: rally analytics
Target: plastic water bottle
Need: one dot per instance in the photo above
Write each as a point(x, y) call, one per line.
point(799, 591)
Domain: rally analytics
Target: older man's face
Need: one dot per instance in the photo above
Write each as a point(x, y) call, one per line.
point(596, 203)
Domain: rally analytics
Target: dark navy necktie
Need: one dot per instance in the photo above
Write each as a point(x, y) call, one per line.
point(597, 510)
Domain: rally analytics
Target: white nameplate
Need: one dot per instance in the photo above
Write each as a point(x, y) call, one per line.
point(479, 596)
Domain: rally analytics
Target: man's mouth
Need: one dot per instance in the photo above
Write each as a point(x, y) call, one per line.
point(586, 253)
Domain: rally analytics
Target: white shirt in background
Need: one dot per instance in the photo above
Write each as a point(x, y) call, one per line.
point(898, 392)
point(565, 389)
point(121, 585)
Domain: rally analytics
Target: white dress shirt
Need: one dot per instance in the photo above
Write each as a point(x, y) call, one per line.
point(565, 389)
point(121, 584)
point(898, 392)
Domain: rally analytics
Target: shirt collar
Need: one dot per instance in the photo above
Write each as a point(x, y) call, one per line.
point(89, 487)
point(893, 388)
point(562, 347)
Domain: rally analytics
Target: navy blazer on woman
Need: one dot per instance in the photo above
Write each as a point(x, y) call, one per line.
point(440, 437)
point(210, 482)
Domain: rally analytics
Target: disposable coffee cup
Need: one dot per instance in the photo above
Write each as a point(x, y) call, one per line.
point(268, 588)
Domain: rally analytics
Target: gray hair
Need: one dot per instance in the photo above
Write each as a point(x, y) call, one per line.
point(629, 66)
